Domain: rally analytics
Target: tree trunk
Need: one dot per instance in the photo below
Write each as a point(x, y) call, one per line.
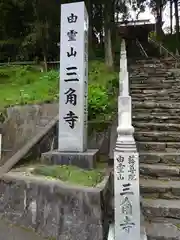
point(45, 62)
point(113, 29)
point(107, 36)
point(101, 37)
point(177, 22)
point(90, 31)
point(171, 16)
point(159, 30)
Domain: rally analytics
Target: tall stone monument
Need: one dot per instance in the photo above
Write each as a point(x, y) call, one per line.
point(126, 166)
point(73, 106)
point(73, 78)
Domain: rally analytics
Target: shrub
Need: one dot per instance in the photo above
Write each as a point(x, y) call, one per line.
point(97, 100)
point(50, 76)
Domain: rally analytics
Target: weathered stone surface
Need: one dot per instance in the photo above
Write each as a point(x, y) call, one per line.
point(153, 80)
point(172, 156)
point(164, 230)
point(149, 92)
point(168, 156)
point(10, 232)
point(145, 117)
point(140, 126)
point(157, 98)
point(42, 141)
point(142, 230)
point(162, 189)
point(86, 160)
point(150, 195)
point(23, 123)
point(157, 136)
point(157, 104)
point(31, 130)
point(157, 111)
point(151, 146)
point(149, 157)
point(150, 86)
point(52, 208)
point(173, 145)
point(159, 170)
point(161, 208)
point(155, 94)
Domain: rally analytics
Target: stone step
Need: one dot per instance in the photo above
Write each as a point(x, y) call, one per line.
point(161, 208)
point(155, 94)
point(160, 171)
point(143, 126)
point(150, 66)
point(152, 86)
point(148, 60)
point(151, 92)
point(170, 157)
point(143, 76)
point(157, 136)
point(166, 147)
point(163, 229)
point(152, 188)
point(157, 111)
point(151, 80)
point(156, 104)
point(156, 98)
point(150, 74)
point(161, 69)
point(158, 66)
point(155, 118)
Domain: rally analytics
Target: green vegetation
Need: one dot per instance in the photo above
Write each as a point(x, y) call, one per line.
point(71, 174)
point(21, 85)
point(171, 43)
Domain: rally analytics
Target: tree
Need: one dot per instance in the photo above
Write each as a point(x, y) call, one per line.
point(171, 16)
point(157, 7)
point(108, 34)
point(177, 22)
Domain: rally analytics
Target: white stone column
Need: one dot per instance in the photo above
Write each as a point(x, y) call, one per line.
point(73, 78)
point(126, 165)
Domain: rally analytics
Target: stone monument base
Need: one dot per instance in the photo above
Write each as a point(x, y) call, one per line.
point(86, 160)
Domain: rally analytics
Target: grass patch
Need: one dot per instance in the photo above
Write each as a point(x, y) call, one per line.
point(20, 85)
point(25, 85)
point(71, 174)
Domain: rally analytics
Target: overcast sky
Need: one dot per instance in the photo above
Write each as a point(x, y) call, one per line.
point(148, 15)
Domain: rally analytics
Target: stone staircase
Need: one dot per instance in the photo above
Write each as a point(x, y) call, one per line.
point(155, 91)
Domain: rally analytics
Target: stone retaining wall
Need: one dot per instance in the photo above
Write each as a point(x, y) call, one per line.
point(22, 124)
point(54, 209)
point(25, 122)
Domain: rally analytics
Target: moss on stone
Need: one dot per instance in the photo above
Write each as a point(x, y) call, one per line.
point(177, 225)
point(71, 174)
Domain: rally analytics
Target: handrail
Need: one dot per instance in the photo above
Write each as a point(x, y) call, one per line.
point(161, 47)
point(141, 48)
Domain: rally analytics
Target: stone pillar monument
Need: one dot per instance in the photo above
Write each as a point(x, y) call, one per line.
point(126, 166)
point(73, 78)
point(73, 107)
